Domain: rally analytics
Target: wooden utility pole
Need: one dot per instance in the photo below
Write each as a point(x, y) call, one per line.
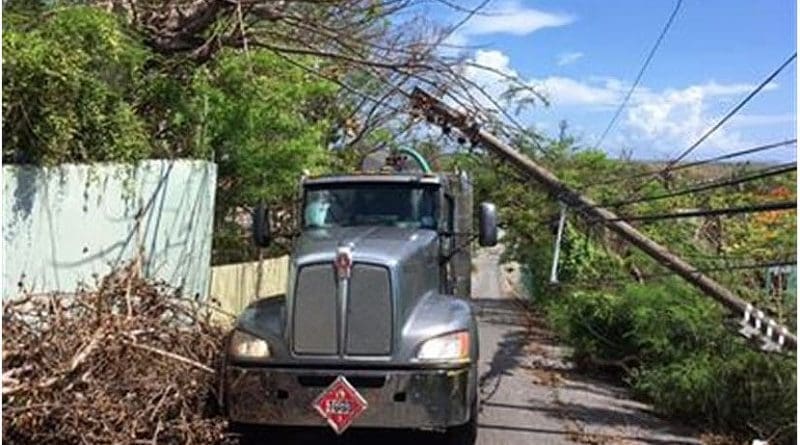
point(444, 115)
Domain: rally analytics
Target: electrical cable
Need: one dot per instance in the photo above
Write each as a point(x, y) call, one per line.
point(758, 265)
point(719, 124)
point(735, 154)
point(641, 73)
point(729, 257)
point(734, 110)
point(755, 208)
point(750, 266)
point(744, 152)
point(719, 183)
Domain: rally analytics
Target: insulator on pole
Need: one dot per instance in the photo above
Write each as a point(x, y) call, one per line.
point(557, 248)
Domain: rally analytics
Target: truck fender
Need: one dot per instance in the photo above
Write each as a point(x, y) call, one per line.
point(437, 314)
point(265, 318)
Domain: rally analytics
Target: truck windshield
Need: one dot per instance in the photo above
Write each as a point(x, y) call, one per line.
point(398, 205)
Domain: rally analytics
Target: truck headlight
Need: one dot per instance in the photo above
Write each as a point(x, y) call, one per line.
point(448, 348)
point(244, 345)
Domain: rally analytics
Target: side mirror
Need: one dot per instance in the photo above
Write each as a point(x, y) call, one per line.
point(487, 222)
point(261, 232)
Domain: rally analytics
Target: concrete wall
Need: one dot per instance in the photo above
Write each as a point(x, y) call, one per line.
point(234, 286)
point(69, 224)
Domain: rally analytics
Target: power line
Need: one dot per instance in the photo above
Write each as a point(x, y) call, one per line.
point(788, 167)
point(750, 266)
point(760, 265)
point(755, 208)
point(735, 110)
point(788, 262)
point(641, 73)
point(735, 154)
point(719, 183)
point(730, 257)
point(437, 110)
point(721, 122)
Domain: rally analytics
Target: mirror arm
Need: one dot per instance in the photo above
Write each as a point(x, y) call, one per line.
point(449, 233)
point(457, 249)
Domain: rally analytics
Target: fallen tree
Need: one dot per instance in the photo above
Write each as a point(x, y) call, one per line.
point(129, 362)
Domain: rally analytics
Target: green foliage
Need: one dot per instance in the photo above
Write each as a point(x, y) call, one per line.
point(263, 121)
point(259, 120)
point(652, 323)
point(70, 94)
point(671, 343)
point(594, 325)
point(677, 354)
point(81, 88)
point(731, 389)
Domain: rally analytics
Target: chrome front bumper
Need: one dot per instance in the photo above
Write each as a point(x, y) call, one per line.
point(418, 398)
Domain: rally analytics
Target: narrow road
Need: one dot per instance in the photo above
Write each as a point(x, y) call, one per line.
point(531, 394)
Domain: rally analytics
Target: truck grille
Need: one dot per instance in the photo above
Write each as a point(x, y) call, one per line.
point(315, 311)
point(369, 311)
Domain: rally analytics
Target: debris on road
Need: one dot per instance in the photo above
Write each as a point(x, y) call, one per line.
point(131, 362)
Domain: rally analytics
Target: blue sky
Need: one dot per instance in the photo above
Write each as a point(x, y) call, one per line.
point(583, 55)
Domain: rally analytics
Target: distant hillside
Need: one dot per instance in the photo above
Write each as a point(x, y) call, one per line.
point(706, 171)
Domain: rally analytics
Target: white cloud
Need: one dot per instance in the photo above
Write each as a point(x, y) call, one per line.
point(664, 121)
point(680, 116)
point(489, 70)
point(493, 59)
point(654, 121)
point(568, 58)
point(566, 91)
point(561, 91)
point(511, 17)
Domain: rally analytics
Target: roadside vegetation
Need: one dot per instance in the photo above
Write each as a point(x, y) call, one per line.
point(268, 91)
point(629, 318)
point(87, 85)
point(81, 86)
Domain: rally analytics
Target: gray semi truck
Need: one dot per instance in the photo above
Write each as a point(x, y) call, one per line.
point(376, 329)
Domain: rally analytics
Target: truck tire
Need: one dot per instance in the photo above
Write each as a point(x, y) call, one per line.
point(467, 433)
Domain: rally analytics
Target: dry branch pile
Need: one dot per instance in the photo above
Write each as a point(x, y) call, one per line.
point(128, 363)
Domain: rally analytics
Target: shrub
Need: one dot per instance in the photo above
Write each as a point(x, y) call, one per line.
point(594, 324)
point(655, 323)
point(682, 359)
point(71, 80)
point(733, 390)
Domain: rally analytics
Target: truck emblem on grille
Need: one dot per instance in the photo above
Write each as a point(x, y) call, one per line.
point(344, 261)
point(340, 404)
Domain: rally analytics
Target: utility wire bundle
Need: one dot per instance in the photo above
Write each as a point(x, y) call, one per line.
point(781, 169)
point(128, 363)
point(674, 163)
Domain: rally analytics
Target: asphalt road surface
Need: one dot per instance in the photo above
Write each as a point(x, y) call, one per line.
point(529, 392)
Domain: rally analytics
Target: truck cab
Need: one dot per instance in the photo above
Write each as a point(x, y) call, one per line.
point(376, 329)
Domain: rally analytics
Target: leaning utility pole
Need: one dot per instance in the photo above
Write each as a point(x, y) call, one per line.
point(434, 109)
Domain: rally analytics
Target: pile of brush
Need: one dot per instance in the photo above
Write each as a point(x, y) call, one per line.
point(129, 362)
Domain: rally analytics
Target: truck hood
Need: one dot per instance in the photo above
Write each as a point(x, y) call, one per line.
point(378, 244)
point(413, 312)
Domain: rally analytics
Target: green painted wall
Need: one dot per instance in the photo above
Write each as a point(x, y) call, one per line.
point(72, 223)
